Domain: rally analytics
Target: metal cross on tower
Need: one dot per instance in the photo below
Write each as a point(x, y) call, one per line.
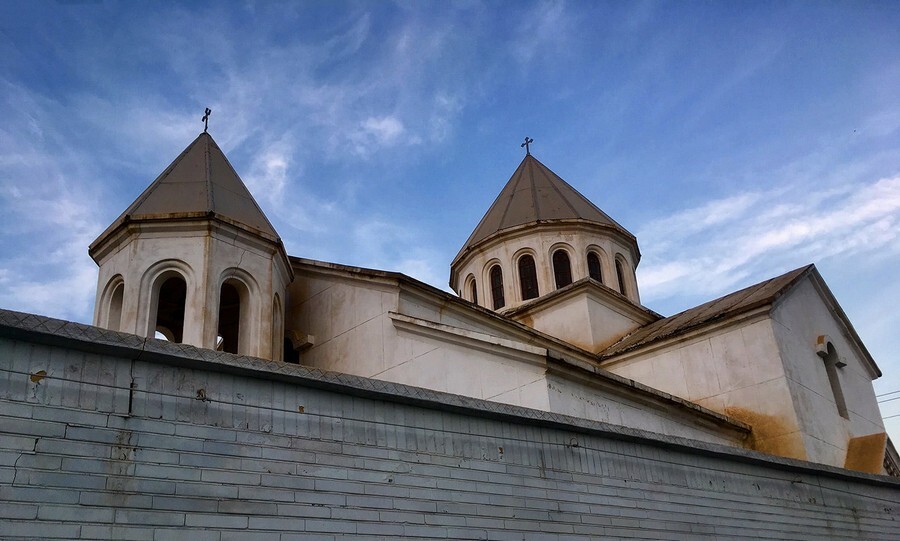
point(205, 119)
point(527, 142)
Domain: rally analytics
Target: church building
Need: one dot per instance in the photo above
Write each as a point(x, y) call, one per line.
point(547, 316)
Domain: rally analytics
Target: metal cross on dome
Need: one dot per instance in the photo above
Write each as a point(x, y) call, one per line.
point(205, 119)
point(526, 144)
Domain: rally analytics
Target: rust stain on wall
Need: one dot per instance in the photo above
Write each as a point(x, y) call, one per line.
point(770, 434)
point(38, 376)
point(866, 453)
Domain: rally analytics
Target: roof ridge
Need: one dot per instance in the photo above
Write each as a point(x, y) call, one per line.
point(735, 303)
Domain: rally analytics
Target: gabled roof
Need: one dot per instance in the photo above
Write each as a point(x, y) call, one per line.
point(533, 194)
point(739, 302)
point(199, 182)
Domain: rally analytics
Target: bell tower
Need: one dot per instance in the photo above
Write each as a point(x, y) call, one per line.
point(195, 259)
point(545, 255)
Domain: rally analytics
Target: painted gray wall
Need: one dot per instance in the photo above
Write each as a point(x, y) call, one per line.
point(215, 446)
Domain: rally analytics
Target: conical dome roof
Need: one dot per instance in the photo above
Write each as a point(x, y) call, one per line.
point(200, 182)
point(535, 194)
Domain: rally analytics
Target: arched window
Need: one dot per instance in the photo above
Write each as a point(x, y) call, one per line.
point(594, 270)
point(497, 287)
point(277, 329)
point(472, 288)
point(237, 333)
point(832, 364)
point(229, 318)
point(170, 308)
point(528, 277)
point(109, 313)
point(114, 321)
point(562, 268)
point(620, 275)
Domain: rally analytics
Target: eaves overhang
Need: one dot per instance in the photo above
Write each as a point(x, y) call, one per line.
point(185, 221)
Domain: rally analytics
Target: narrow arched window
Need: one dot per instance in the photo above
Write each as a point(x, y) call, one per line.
point(594, 270)
point(528, 277)
point(497, 287)
point(277, 329)
point(170, 308)
point(832, 364)
point(114, 319)
point(474, 292)
point(229, 319)
point(562, 268)
point(620, 275)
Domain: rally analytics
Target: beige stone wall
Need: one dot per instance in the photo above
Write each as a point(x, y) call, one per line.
point(365, 328)
point(798, 321)
point(735, 370)
point(765, 372)
point(377, 327)
point(587, 318)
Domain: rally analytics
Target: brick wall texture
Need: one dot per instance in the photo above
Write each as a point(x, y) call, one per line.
point(110, 436)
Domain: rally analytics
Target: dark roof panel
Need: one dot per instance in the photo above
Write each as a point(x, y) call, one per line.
point(534, 193)
point(724, 307)
point(200, 180)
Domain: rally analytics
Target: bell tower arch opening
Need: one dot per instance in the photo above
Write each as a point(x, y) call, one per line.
point(168, 306)
point(229, 329)
point(111, 303)
point(235, 326)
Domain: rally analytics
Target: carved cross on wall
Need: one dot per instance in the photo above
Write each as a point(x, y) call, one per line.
point(205, 119)
point(526, 144)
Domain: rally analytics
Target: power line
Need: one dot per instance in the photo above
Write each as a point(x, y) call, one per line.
point(889, 400)
point(885, 394)
point(890, 416)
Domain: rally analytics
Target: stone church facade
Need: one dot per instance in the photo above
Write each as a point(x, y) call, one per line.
point(301, 399)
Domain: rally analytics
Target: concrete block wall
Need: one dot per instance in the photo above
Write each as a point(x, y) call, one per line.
point(110, 436)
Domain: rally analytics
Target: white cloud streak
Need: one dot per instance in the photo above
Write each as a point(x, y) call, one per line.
point(716, 247)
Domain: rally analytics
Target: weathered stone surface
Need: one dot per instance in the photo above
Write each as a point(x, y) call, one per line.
point(371, 459)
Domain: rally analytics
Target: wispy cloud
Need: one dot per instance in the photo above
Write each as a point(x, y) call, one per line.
point(715, 247)
point(543, 32)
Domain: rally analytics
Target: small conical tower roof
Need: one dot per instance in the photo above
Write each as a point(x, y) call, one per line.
point(200, 182)
point(535, 194)
point(195, 258)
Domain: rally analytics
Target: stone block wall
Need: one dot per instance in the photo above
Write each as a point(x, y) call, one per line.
point(110, 436)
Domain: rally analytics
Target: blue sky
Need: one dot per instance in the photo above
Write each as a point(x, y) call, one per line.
point(737, 140)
